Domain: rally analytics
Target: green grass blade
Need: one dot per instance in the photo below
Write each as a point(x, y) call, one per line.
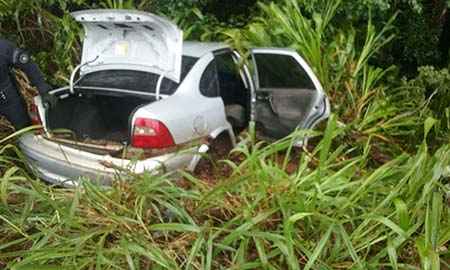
point(321, 246)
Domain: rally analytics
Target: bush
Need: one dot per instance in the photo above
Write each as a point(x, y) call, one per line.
point(418, 28)
point(433, 86)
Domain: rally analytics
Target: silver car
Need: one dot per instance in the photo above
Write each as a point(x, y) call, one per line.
point(145, 101)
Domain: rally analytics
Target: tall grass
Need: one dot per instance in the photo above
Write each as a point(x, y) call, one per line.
point(309, 210)
point(375, 109)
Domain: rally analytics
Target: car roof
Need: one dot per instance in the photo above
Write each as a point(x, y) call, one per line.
point(198, 49)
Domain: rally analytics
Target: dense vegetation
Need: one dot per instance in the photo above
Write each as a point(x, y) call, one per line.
point(372, 192)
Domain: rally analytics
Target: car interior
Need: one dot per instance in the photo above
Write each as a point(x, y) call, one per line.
point(95, 115)
point(232, 90)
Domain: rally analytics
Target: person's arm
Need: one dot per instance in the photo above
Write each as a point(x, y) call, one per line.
point(21, 59)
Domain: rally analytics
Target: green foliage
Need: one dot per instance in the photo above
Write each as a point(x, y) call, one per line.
point(195, 17)
point(293, 29)
point(330, 212)
point(417, 42)
point(417, 28)
point(373, 111)
point(434, 86)
point(118, 4)
point(189, 17)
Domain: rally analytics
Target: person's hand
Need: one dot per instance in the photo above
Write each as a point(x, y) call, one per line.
point(49, 101)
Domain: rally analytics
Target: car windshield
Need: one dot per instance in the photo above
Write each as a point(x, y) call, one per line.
point(136, 80)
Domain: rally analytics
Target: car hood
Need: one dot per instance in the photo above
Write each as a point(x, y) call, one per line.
point(130, 39)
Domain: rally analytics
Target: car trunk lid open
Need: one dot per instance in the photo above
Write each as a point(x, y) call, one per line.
point(127, 39)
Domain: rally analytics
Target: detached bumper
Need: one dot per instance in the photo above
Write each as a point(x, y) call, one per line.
point(64, 165)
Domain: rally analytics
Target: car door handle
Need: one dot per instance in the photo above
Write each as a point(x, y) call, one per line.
point(268, 97)
point(272, 106)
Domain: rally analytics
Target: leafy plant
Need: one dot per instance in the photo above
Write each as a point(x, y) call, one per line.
point(276, 211)
point(433, 85)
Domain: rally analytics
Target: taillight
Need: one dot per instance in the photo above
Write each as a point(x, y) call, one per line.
point(34, 115)
point(149, 133)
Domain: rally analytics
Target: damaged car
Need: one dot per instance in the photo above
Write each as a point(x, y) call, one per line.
point(144, 100)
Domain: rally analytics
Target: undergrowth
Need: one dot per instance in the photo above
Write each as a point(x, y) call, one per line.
point(331, 211)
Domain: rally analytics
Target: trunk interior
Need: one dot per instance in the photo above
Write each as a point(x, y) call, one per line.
point(93, 116)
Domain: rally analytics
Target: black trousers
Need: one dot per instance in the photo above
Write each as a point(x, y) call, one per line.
point(12, 105)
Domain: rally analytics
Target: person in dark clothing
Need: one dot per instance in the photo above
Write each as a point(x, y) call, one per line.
point(12, 104)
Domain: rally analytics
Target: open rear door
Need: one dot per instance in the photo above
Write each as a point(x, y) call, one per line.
point(288, 94)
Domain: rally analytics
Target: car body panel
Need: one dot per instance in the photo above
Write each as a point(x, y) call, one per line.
point(126, 39)
point(187, 113)
point(61, 164)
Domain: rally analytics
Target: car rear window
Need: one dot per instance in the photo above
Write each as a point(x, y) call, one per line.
point(136, 80)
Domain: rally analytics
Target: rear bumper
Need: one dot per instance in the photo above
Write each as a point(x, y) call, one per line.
point(64, 165)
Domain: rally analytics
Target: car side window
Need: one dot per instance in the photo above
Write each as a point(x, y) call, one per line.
point(209, 85)
point(281, 71)
point(168, 87)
